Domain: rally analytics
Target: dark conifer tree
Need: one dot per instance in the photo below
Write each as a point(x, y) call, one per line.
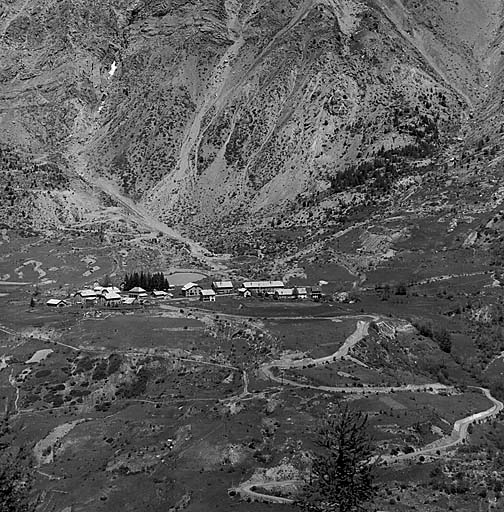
point(342, 467)
point(146, 280)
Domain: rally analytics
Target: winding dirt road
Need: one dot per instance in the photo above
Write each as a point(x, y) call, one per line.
point(458, 435)
point(248, 490)
point(360, 332)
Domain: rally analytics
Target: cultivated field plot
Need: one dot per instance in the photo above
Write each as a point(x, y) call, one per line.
point(118, 331)
point(317, 337)
point(267, 308)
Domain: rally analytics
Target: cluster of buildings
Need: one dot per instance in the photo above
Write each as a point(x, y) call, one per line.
point(108, 296)
point(113, 297)
point(275, 289)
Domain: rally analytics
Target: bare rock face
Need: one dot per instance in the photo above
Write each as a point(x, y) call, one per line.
point(220, 109)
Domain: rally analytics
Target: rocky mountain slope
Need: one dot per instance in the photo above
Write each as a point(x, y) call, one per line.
point(219, 111)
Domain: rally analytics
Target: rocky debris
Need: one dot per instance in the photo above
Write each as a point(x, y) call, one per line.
point(182, 504)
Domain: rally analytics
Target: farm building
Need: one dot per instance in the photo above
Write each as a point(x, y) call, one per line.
point(56, 303)
point(191, 290)
point(244, 292)
point(86, 297)
point(137, 292)
point(207, 295)
point(268, 287)
point(222, 287)
point(129, 301)
point(285, 293)
point(300, 292)
point(159, 294)
point(316, 293)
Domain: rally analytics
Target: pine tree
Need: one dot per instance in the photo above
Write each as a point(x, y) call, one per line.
point(343, 467)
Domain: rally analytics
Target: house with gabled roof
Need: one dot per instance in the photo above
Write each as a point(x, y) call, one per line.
point(191, 290)
point(110, 298)
point(284, 293)
point(137, 291)
point(85, 297)
point(207, 295)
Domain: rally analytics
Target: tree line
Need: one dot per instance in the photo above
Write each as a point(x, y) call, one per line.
point(436, 333)
point(146, 280)
point(380, 172)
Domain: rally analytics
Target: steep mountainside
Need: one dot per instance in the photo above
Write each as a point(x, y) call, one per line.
point(213, 111)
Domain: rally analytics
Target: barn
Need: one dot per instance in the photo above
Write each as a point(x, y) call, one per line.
point(223, 287)
point(263, 287)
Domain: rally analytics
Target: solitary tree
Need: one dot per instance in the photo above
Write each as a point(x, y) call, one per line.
point(105, 281)
point(343, 465)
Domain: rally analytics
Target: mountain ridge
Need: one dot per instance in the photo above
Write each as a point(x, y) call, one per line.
point(209, 112)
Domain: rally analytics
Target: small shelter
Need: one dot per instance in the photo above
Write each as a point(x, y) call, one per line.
point(244, 292)
point(223, 287)
point(300, 292)
point(56, 303)
point(191, 290)
point(207, 295)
